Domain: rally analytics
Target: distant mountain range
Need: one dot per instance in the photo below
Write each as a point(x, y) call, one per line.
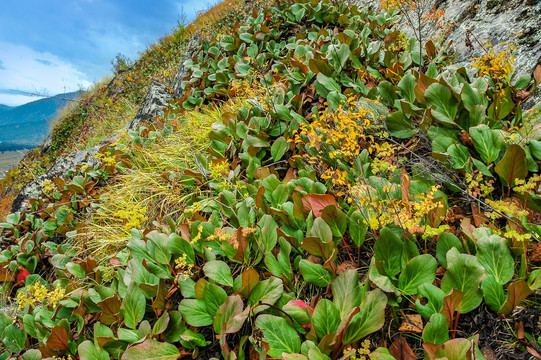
point(5, 108)
point(26, 126)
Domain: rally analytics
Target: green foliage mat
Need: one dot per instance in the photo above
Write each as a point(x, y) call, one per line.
point(347, 196)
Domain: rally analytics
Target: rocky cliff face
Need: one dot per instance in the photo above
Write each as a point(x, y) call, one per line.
point(497, 21)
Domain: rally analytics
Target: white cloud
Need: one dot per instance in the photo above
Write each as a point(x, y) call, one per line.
point(16, 99)
point(27, 70)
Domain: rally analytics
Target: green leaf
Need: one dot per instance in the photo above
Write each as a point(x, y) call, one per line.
point(279, 334)
point(437, 330)
point(218, 271)
point(357, 228)
point(279, 148)
point(419, 270)
point(400, 126)
point(335, 219)
point(535, 149)
point(14, 338)
point(151, 350)
point(133, 306)
point(321, 230)
point(446, 242)
point(76, 270)
point(314, 273)
point(256, 142)
point(523, 82)
point(346, 293)
point(269, 237)
point(459, 155)
point(494, 255)
point(513, 165)
point(434, 296)
point(388, 248)
point(213, 296)
point(329, 83)
point(35, 354)
point(178, 246)
point(465, 274)
point(370, 318)
point(471, 97)
point(175, 328)
point(88, 351)
point(493, 293)
point(407, 87)
point(194, 312)
point(446, 105)
point(326, 318)
point(267, 292)
point(230, 316)
point(158, 247)
point(161, 324)
point(487, 142)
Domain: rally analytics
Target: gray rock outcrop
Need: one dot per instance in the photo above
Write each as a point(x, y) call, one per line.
point(182, 71)
point(156, 99)
point(60, 167)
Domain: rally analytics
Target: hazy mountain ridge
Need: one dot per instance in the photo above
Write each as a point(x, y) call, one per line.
point(27, 125)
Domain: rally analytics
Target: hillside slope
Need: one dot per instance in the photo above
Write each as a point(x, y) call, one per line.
point(302, 180)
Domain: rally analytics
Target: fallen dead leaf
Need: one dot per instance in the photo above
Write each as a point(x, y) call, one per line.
point(412, 323)
point(401, 350)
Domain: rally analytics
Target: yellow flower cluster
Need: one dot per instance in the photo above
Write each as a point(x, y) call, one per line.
point(408, 215)
point(219, 172)
point(339, 133)
point(505, 207)
point(48, 186)
point(532, 186)
point(133, 216)
point(37, 293)
point(477, 186)
point(183, 269)
point(496, 65)
point(198, 236)
point(107, 160)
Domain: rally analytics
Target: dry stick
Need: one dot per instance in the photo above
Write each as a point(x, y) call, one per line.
point(447, 180)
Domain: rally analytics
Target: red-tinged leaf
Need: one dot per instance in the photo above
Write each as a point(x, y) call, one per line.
point(260, 202)
point(110, 310)
point(301, 304)
point(518, 291)
point(533, 352)
point(422, 84)
point(450, 304)
point(151, 350)
point(537, 75)
point(513, 165)
point(242, 240)
point(250, 278)
point(430, 48)
point(317, 202)
point(58, 340)
point(405, 182)
point(6, 275)
point(455, 349)
point(401, 350)
point(431, 350)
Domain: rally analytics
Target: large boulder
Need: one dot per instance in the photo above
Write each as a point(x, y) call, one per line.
point(182, 72)
point(157, 98)
point(59, 168)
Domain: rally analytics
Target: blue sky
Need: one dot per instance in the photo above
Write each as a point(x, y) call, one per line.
point(55, 46)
